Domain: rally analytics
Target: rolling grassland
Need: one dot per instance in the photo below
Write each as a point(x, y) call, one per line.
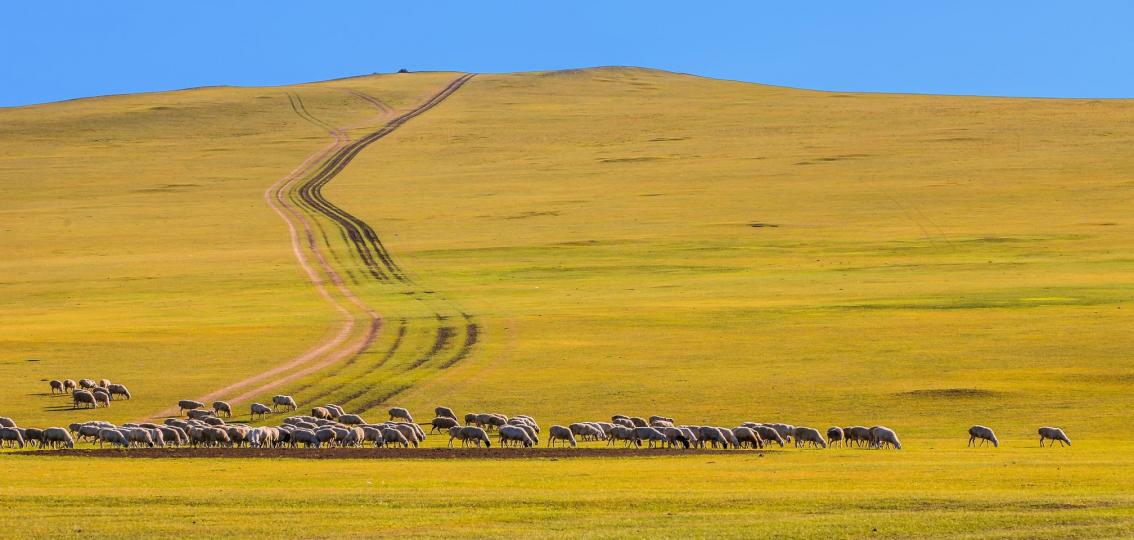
point(571, 245)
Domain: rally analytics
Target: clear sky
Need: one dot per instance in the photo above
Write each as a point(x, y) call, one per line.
point(60, 50)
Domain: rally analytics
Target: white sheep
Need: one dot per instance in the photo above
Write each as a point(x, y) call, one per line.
point(399, 413)
point(560, 433)
point(287, 402)
point(1055, 434)
point(805, 435)
point(984, 434)
point(881, 436)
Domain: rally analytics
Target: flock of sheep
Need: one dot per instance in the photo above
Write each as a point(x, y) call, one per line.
point(331, 426)
point(89, 393)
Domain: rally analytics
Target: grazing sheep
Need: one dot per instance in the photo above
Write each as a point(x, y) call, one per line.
point(639, 422)
point(443, 423)
point(326, 436)
point(769, 434)
point(101, 397)
point(857, 434)
point(785, 430)
point(748, 436)
point(674, 436)
point(1055, 434)
point(118, 390)
point(322, 412)
point(69, 385)
point(11, 436)
point(656, 418)
point(532, 432)
point(114, 437)
point(834, 436)
point(410, 432)
point(394, 436)
point(213, 421)
point(661, 424)
point(470, 418)
point(56, 437)
point(621, 433)
point(56, 386)
point(805, 435)
point(140, 436)
point(222, 407)
point(882, 436)
point(199, 414)
point(32, 436)
point(260, 409)
point(336, 411)
point(188, 404)
point(984, 434)
point(560, 433)
point(306, 437)
point(713, 436)
point(445, 412)
point(287, 402)
point(84, 397)
point(515, 434)
point(87, 384)
point(649, 434)
point(616, 419)
point(398, 413)
point(351, 420)
point(469, 434)
point(624, 422)
point(173, 435)
point(104, 383)
point(7, 422)
point(495, 421)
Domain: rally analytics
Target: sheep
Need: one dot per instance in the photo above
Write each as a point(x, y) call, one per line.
point(713, 436)
point(409, 432)
point(746, 435)
point(101, 397)
point(260, 409)
point(661, 424)
point(10, 436)
point(398, 413)
point(56, 437)
point(984, 434)
point(495, 421)
point(351, 419)
point(805, 435)
point(213, 421)
point(199, 414)
point(649, 434)
point(857, 435)
point(674, 436)
point(618, 418)
point(56, 386)
point(325, 436)
point(621, 433)
point(322, 412)
point(881, 436)
point(238, 434)
point(87, 384)
point(656, 418)
point(555, 433)
point(89, 431)
point(470, 433)
point(515, 434)
point(785, 430)
point(624, 422)
point(69, 385)
point(442, 422)
point(445, 412)
point(639, 422)
point(287, 402)
point(394, 436)
point(114, 437)
point(188, 404)
point(222, 407)
point(7, 422)
point(336, 410)
point(118, 390)
point(834, 436)
point(532, 432)
point(587, 431)
point(140, 436)
point(769, 434)
point(1053, 433)
point(374, 435)
point(306, 437)
point(104, 383)
point(470, 418)
point(84, 397)
point(172, 435)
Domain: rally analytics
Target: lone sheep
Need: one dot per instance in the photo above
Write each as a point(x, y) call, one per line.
point(1055, 434)
point(222, 407)
point(984, 434)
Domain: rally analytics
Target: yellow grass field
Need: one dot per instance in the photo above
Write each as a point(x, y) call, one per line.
point(576, 244)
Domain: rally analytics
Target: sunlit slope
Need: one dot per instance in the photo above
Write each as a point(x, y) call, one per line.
point(137, 245)
point(638, 241)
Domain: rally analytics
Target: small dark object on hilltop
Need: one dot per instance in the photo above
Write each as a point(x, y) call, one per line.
point(403, 70)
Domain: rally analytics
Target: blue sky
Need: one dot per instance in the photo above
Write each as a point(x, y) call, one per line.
point(1057, 49)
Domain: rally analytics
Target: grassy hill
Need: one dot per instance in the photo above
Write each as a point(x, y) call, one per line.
point(610, 240)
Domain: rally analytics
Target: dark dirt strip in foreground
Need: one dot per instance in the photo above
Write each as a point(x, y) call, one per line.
point(382, 453)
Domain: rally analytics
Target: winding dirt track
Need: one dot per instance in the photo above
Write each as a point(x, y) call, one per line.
point(328, 162)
